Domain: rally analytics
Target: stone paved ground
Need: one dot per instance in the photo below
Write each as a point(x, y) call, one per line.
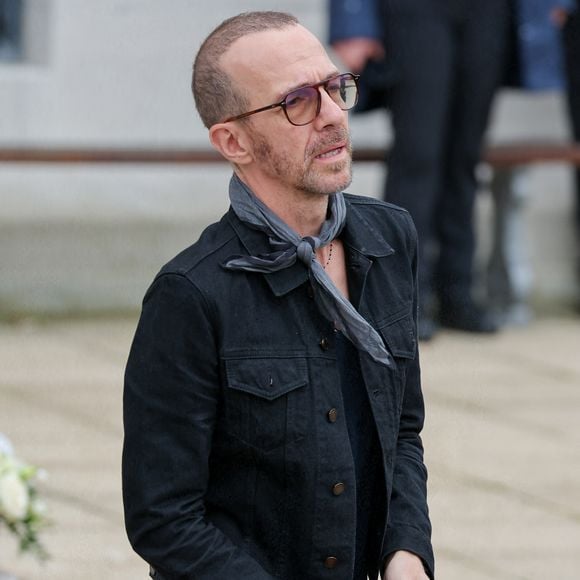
point(502, 439)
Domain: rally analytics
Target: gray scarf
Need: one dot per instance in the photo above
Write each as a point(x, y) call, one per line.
point(288, 247)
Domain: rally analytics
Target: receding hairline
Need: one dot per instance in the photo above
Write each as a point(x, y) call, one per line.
point(295, 25)
point(235, 28)
point(263, 32)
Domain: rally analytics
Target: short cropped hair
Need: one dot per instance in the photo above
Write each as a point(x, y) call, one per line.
point(216, 97)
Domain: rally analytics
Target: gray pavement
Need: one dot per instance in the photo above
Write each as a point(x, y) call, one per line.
point(502, 440)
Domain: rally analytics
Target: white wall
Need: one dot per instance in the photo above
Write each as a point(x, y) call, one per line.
point(117, 71)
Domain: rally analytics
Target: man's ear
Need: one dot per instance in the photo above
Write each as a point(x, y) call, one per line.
point(232, 142)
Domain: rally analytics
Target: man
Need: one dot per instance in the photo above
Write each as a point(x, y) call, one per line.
point(445, 60)
point(272, 398)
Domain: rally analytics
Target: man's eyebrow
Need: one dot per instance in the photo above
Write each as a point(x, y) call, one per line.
point(307, 84)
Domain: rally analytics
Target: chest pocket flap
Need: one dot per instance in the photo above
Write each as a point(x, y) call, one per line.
point(267, 378)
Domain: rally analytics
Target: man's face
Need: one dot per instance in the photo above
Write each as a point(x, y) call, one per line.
point(313, 159)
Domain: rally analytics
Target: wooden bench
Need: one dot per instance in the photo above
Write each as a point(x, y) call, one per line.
point(509, 274)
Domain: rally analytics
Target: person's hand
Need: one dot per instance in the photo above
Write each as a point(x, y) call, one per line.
point(355, 52)
point(404, 565)
point(559, 16)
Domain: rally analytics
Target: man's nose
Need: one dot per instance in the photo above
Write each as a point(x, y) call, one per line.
point(330, 112)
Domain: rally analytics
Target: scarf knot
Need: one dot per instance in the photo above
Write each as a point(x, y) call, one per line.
point(305, 250)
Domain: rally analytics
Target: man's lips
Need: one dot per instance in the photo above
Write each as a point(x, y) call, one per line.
point(331, 151)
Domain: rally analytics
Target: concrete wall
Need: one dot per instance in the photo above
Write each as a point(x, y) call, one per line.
point(117, 72)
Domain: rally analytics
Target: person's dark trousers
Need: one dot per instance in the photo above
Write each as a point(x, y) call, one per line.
point(449, 57)
point(572, 53)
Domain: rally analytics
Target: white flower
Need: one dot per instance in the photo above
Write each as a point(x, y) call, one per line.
point(14, 498)
point(21, 510)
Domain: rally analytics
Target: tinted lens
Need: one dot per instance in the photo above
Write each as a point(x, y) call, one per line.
point(343, 91)
point(301, 105)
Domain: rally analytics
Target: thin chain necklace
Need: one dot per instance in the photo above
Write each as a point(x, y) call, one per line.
point(329, 256)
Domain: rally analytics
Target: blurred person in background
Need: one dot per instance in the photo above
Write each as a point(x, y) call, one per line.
point(10, 29)
point(571, 23)
point(273, 403)
point(545, 56)
point(537, 60)
point(443, 61)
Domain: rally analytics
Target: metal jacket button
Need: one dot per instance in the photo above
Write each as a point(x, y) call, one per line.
point(324, 343)
point(338, 488)
point(330, 562)
point(332, 415)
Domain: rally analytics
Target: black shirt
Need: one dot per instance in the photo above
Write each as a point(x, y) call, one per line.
point(365, 447)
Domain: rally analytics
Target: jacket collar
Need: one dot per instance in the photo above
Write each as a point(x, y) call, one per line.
point(358, 234)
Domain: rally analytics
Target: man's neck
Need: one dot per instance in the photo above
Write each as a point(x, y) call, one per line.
point(303, 212)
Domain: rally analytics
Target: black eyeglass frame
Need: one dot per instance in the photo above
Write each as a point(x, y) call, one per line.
point(282, 103)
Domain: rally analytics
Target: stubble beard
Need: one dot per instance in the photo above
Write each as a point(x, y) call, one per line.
point(306, 178)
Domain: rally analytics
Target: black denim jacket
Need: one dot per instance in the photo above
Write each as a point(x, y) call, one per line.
point(231, 456)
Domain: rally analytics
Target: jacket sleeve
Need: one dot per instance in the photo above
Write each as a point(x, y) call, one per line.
point(540, 57)
point(568, 5)
point(169, 411)
point(353, 18)
point(408, 526)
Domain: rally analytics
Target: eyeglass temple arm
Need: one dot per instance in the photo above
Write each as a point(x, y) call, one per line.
point(262, 109)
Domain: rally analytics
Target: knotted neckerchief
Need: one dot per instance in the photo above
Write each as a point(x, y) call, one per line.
point(289, 246)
